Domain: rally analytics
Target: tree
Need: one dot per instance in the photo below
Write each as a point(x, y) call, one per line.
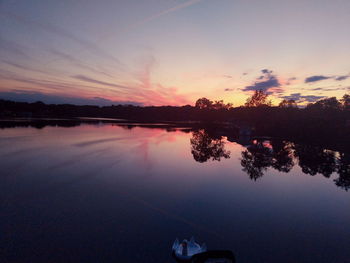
point(287, 104)
point(229, 105)
point(326, 104)
point(204, 103)
point(218, 104)
point(345, 101)
point(258, 99)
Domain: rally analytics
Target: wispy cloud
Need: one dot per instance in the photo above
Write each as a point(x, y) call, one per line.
point(95, 81)
point(290, 80)
point(267, 82)
point(53, 85)
point(53, 29)
point(140, 89)
point(33, 96)
point(78, 63)
point(329, 88)
point(323, 77)
point(23, 67)
point(340, 78)
point(13, 48)
point(316, 78)
point(302, 98)
point(154, 93)
point(162, 13)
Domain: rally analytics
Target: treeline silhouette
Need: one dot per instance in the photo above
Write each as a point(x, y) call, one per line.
point(325, 121)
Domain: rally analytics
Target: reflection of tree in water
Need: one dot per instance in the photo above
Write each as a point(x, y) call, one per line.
point(256, 159)
point(204, 147)
point(279, 155)
point(313, 160)
point(283, 158)
point(343, 181)
point(263, 154)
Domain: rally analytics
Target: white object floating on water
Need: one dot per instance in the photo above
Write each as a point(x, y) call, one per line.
point(186, 249)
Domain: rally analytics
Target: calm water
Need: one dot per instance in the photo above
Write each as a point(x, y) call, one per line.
point(106, 193)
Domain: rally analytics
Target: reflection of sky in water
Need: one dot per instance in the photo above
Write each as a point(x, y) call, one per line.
point(94, 193)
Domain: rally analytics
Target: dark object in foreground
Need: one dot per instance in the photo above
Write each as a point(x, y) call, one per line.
point(212, 256)
point(192, 252)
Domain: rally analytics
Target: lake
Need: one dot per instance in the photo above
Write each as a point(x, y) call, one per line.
point(107, 192)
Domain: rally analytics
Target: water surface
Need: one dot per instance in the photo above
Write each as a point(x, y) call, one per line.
point(109, 193)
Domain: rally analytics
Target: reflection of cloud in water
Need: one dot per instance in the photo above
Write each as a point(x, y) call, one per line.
point(22, 151)
point(15, 138)
point(77, 158)
point(53, 187)
point(143, 144)
point(92, 142)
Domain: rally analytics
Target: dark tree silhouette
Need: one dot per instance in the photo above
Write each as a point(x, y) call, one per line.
point(258, 99)
point(251, 165)
point(326, 104)
point(204, 147)
point(220, 105)
point(343, 181)
point(345, 101)
point(204, 103)
point(283, 158)
point(263, 154)
point(314, 159)
point(287, 104)
point(256, 159)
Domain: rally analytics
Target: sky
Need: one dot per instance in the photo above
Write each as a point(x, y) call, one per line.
point(172, 52)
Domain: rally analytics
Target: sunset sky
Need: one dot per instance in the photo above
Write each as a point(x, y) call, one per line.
point(172, 52)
